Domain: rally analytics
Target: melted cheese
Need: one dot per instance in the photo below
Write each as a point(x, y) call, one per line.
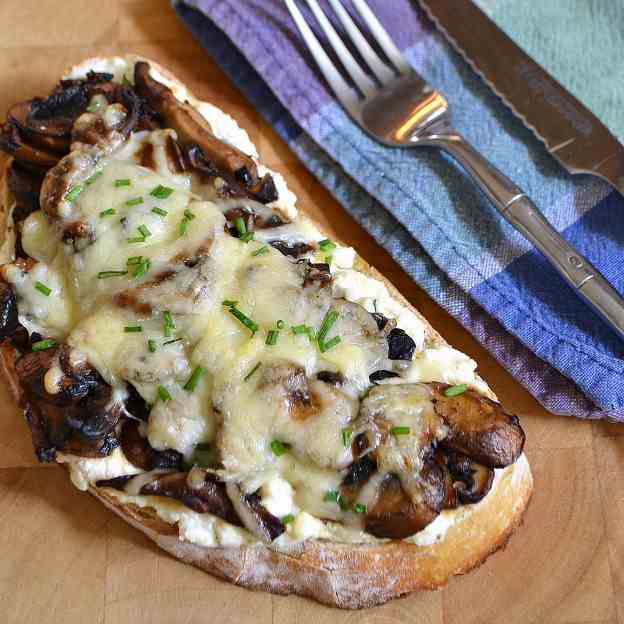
point(227, 407)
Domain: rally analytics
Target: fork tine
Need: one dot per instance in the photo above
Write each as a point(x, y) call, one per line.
point(341, 89)
point(364, 83)
point(377, 66)
point(381, 36)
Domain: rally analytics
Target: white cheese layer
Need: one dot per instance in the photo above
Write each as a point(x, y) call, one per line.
point(230, 406)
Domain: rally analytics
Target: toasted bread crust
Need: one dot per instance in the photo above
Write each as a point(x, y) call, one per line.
point(343, 575)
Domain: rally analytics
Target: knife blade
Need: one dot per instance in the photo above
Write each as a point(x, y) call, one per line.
point(572, 134)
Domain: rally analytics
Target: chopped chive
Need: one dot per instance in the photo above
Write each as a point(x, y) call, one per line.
point(347, 432)
point(106, 213)
point(183, 226)
point(90, 180)
point(288, 519)
point(73, 193)
point(168, 319)
point(331, 496)
point(144, 230)
point(141, 269)
point(122, 182)
point(330, 344)
point(42, 345)
point(125, 82)
point(160, 211)
point(134, 260)
point(172, 341)
point(188, 214)
point(228, 303)
point(328, 259)
point(163, 394)
point(107, 274)
point(326, 245)
point(43, 289)
point(239, 224)
point(397, 431)
point(330, 318)
point(252, 371)
point(280, 324)
point(272, 337)
point(244, 319)
point(133, 329)
point(359, 508)
point(92, 108)
point(261, 251)
point(193, 380)
point(279, 448)
point(161, 192)
point(135, 201)
point(455, 390)
point(301, 329)
point(136, 239)
point(344, 503)
point(151, 345)
point(246, 237)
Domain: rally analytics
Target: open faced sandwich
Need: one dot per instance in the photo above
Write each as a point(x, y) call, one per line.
point(215, 370)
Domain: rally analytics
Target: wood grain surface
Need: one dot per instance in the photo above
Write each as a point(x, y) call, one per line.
point(66, 559)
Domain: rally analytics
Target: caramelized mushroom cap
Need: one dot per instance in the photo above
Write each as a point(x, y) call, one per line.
point(471, 481)
point(479, 427)
point(138, 451)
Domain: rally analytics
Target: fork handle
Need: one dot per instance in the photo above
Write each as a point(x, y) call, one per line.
point(525, 216)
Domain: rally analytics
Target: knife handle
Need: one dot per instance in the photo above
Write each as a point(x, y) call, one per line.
point(525, 216)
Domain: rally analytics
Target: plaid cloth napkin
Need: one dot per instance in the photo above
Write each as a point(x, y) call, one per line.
point(428, 214)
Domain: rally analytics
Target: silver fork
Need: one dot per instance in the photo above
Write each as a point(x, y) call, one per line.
point(399, 109)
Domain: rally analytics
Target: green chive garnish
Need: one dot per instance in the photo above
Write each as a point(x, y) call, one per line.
point(169, 323)
point(326, 245)
point(279, 448)
point(43, 289)
point(272, 337)
point(228, 303)
point(144, 230)
point(359, 508)
point(243, 318)
point(134, 260)
point(330, 318)
point(73, 193)
point(141, 269)
point(246, 237)
point(163, 394)
point(92, 108)
point(261, 251)
point(151, 345)
point(344, 503)
point(288, 518)
point(301, 329)
point(239, 224)
point(193, 380)
point(110, 211)
point(330, 344)
point(252, 371)
point(189, 215)
point(397, 431)
point(161, 192)
point(173, 341)
point(107, 274)
point(328, 259)
point(183, 226)
point(123, 182)
point(280, 324)
point(125, 82)
point(42, 345)
point(331, 496)
point(347, 432)
point(133, 329)
point(160, 211)
point(455, 390)
point(136, 239)
point(93, 178)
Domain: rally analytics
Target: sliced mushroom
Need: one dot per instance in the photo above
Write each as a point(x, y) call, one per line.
point(479, 427)
point(9, 321)
point(294, 250)
point(471, 481)
point(48, 134)
point(254, 515)
point(12, 142)
point(401, 346)
point(25, 185)
point(380, 375)
point(138, 451)
point(318, 273)
point(396, 515)
point(193, 129)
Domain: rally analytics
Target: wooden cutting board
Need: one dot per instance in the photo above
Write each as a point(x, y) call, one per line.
point(66, 559)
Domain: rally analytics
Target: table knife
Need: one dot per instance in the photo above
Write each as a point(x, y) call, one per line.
point(574, 136)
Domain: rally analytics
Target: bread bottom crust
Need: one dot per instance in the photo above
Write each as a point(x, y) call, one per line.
point(351, 576)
